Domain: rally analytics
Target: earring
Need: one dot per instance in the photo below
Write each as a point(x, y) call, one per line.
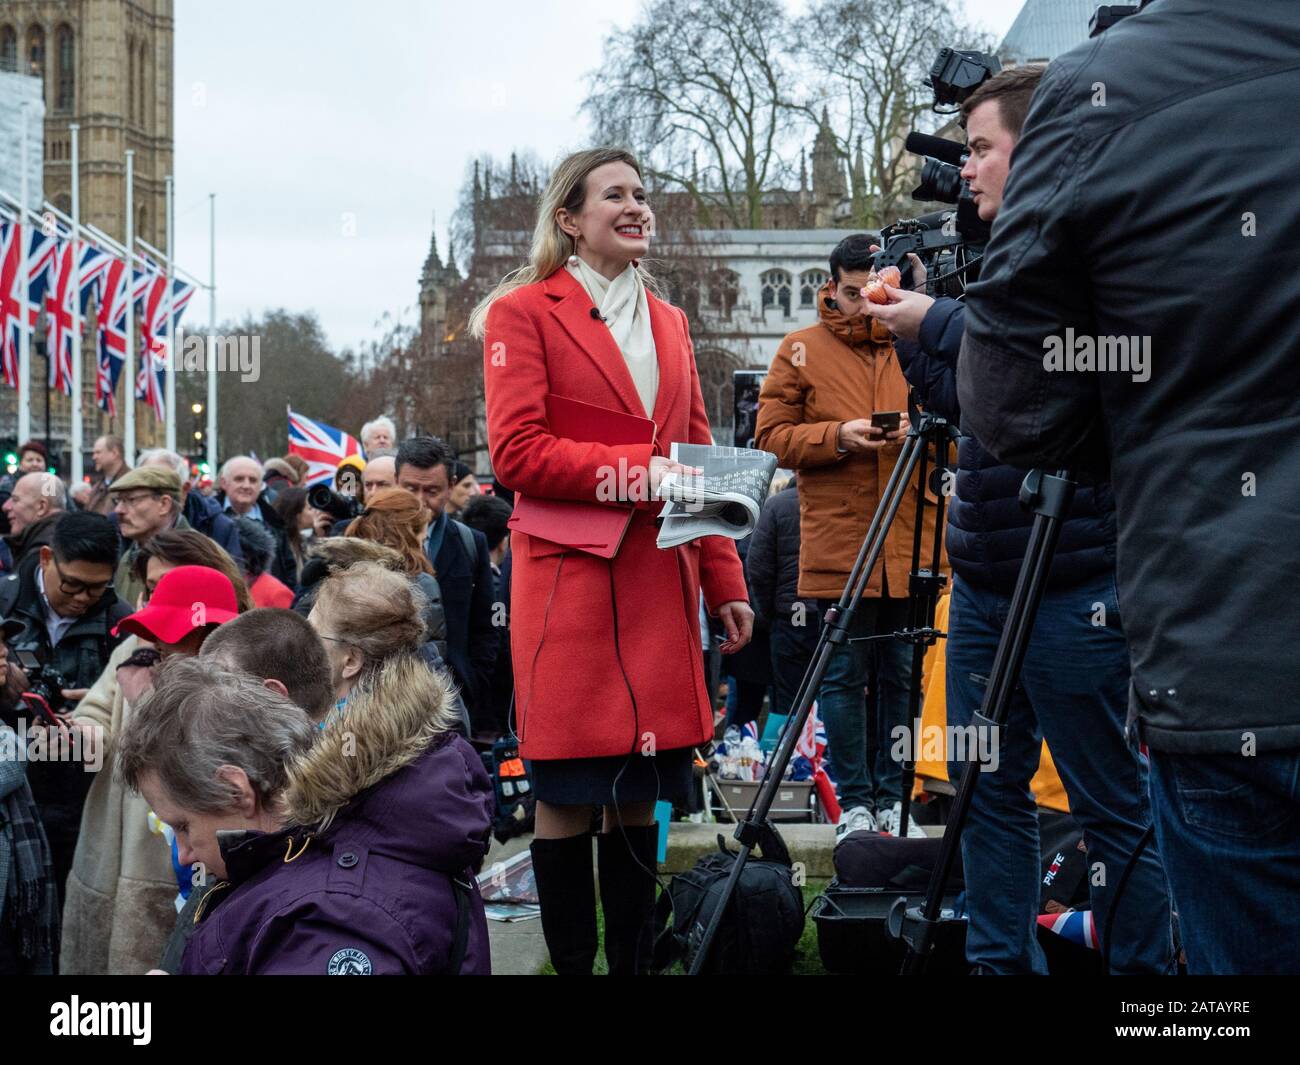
point(573, 259)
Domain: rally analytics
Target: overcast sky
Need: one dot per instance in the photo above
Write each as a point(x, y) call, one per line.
point(333, 132)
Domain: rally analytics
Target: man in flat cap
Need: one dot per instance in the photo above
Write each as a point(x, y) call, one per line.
point(146, 501)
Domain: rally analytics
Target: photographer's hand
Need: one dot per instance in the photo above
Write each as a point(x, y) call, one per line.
point(904, 312)
point(860, 435)
point(919, 274)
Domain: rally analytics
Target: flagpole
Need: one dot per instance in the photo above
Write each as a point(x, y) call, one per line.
point(169, 345)
point(77, 428)
point(24, 288)
point(212, 331)
point(128, 366)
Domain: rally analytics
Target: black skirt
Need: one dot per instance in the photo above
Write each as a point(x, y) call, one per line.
point(663, 777)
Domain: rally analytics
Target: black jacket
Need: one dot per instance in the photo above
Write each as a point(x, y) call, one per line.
point(60, 787)
point(988, 529)
point(283, 565)
point(772, 565)
point(28, 543)
point(468, 591)
point(1169, 216)
point(206, 516)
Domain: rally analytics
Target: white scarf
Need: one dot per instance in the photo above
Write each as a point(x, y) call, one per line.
point(623, 304)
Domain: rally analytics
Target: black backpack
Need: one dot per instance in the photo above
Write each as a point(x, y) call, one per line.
point(763, 922)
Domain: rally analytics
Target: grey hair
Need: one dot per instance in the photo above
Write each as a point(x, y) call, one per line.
point(225, 466)
point(381, 453)
point(160, 456)
point(198, 718)
point(382, 422)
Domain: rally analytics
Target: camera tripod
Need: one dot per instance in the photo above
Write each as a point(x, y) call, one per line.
point(1049, 497)
point(924, 587)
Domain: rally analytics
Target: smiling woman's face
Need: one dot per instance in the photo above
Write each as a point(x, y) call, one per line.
point(616, 222)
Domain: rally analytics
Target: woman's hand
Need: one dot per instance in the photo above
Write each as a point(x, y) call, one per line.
point(738, 619)
point(660, 467)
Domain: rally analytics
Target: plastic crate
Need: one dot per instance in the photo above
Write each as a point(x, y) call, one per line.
point(852, 936)
point(794, 799)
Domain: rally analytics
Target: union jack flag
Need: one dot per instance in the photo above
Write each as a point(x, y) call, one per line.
point(18, 295)
point(322, 446)
point(111, 297)
point(150, 292)
point(59, 307)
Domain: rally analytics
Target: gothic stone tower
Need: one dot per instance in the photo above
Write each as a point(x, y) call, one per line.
point(107, 65)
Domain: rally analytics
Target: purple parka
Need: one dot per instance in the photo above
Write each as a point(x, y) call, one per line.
point(372, 893)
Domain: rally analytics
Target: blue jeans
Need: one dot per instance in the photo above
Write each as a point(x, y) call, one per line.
point(1073, 690)
point(1229, 830)
point(858, 743)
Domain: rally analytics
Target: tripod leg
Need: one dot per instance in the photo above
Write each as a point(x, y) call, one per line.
point(1052, 502)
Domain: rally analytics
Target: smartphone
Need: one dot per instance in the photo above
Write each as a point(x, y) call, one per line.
point(888, 420)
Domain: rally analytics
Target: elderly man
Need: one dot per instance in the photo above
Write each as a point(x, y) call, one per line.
point(203, 514)
point(243, 494)
point(109, 456)
point(378, 435)
point(38, 502)
point(146, 501)
point(380, 472)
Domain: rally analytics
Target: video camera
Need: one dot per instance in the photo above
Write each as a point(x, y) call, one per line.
point(950, 243)
point(337, 506)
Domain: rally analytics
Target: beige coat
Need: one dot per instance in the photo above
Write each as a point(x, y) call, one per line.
point(119, 906)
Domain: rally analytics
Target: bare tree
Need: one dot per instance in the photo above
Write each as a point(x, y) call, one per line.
point(871, 63)
point(704, 93)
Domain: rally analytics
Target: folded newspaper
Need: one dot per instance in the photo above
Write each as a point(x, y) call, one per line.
point(722, 501)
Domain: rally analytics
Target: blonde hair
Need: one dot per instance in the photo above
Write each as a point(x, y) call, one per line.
point(566, 189)
point(377, 611)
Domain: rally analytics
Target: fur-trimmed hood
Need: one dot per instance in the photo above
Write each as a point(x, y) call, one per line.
point(388, 771)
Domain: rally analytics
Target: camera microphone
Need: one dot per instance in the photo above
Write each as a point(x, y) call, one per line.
point(940, 148)
point(598, 316)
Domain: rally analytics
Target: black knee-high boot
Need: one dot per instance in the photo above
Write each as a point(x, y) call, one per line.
point(567, 894)
point(627, 896)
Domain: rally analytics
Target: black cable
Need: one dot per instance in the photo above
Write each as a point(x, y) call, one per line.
point(532, 669)
point(1119, 891)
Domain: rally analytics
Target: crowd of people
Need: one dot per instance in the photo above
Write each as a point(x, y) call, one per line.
point(285, 696)
point(183, 659)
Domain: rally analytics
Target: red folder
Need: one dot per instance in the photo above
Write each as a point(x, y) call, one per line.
point(596, 528)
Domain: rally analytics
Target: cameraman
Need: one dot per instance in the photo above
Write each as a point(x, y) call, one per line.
point(1168, 216)
point(1074, 683)
point(64, 599)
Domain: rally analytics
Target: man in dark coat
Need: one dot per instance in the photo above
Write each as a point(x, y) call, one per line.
point(1136, 312)
point(463, 565)
point(64, 598)
point(773, 571)
point(1074, 681)
point(243, 494)
point(203, 515)
point(37, 503)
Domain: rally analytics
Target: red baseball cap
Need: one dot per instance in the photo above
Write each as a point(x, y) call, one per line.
point(186, 598)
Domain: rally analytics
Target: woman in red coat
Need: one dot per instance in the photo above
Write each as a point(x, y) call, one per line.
point(610, 700)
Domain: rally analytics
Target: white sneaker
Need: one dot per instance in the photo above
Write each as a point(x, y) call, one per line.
point(889, 822)
point(858, 819)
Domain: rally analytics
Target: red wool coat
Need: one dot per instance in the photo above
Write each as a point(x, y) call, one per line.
point(571, 696)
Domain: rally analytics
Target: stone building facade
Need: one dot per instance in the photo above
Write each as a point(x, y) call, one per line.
point(108, 66)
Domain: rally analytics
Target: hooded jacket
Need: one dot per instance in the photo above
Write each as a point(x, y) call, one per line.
point(384, 811)
point(836, 371)
point(206, 516)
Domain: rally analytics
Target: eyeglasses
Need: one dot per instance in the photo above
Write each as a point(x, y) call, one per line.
point(124, 500)
point(73, 587)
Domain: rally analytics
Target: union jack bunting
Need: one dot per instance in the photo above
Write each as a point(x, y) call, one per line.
point(150, 292)
point(322, 446)
point(110, 348)
point(59, 307)
point(18, 295)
